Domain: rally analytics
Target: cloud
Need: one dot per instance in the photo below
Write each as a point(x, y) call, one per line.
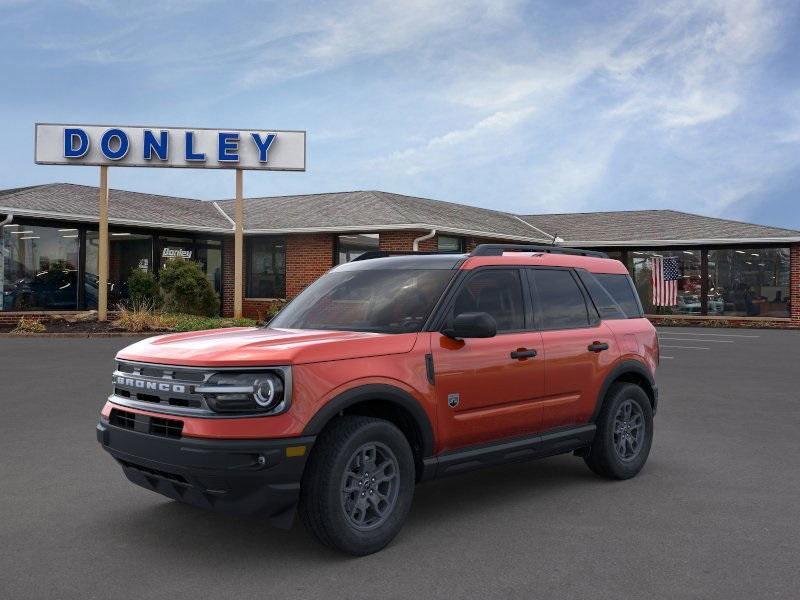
point(338, 34)
point(476, 143)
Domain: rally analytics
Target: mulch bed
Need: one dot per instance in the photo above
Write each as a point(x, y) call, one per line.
point(87, 327)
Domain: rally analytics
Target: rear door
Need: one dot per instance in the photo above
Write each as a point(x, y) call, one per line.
point(578, 346)
point(491, 387)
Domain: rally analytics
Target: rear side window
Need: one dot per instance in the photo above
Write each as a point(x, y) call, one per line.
point(561, 302)
point(621, 289)
point(606, 305)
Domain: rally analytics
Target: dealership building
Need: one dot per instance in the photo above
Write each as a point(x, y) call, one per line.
point(727, 270)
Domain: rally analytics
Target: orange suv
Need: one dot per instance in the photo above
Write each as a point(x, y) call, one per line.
point(386, 372)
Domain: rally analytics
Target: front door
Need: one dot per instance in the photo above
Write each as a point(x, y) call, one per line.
point(489, 388)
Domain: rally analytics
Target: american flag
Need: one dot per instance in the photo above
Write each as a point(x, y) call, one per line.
point(665, 280)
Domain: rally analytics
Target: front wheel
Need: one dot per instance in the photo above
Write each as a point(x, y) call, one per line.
point(358, 486)
point(624, 433)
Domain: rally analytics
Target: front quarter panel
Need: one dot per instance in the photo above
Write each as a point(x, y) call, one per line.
point(318, 384)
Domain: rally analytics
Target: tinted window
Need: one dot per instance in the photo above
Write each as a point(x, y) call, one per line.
point(749, 282)
point(621, 290)
point(377, 300)
point(607, 307)
point(38, 268)
point(266, 267)
point(447, 243)
point(497, 292)
point(354, 245)
point(561, 301)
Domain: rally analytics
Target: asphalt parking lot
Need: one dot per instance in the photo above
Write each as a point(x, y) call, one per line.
point(715, 513)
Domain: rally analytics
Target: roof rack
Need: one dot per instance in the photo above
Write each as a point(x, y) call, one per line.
point(384, 253)
point(498, 249)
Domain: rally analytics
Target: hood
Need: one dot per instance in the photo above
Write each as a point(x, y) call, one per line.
point(256, 346)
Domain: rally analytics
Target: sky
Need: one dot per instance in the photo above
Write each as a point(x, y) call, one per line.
point(528, 107)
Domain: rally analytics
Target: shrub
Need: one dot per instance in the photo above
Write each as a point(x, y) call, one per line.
point(186, 290)
point(143, 289)
point(195, 323)
point(141, 317)
point(26, 325)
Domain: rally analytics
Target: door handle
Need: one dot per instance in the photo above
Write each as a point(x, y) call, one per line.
point(523, 353)
point(597, 347)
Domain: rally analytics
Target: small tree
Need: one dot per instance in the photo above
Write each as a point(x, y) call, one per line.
point(143, 289)
point(186, 289)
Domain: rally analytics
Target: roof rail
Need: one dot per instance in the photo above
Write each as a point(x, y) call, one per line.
point(384, 253)
point(498, 249)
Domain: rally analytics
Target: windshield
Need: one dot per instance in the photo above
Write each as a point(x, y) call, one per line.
point(378, 300)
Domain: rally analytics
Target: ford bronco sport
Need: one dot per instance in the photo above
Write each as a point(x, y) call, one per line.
point(386, 372)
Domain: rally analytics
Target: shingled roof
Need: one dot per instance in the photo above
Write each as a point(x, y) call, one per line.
point(364, 211)
point(645, 227)
point(374, 210)
point(79, 203)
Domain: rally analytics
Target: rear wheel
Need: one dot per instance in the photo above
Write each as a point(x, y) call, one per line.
point(624, 433)
point(358, 486)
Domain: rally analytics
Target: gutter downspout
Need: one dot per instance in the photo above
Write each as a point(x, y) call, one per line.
point(7, 220)
point(427, 236)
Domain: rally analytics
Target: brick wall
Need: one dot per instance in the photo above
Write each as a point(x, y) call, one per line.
point(404, 241)
point(794, 283)
point(308, 256)
point(227, 277)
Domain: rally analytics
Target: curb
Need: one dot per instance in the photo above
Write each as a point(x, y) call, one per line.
point(81, 335)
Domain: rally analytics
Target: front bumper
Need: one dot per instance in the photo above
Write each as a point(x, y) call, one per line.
point(241, 477)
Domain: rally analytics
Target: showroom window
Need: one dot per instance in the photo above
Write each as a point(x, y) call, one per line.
point(449, 243)
point(266, 267)
point(748, 282)
point(353, 246)
point(39, 267)
point(668, 281)
point(128, 251)
point(209, 255)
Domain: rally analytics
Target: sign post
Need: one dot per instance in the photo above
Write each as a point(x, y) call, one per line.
point(102, 255)
point(238, 243)
point(175, 147)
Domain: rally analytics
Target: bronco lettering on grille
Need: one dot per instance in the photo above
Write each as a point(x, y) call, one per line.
point(158, 386)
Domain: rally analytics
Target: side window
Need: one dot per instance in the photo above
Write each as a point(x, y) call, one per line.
point(607, 306)
point(494, 291)
point(621, 289)
point(560, 300)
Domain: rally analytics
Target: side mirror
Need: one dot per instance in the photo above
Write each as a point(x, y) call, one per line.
point(472, 325)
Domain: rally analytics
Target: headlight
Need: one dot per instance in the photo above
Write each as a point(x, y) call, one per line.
point(245, 393)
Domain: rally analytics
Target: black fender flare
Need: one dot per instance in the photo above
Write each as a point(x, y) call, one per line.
point(623, 368)
point(375, 391)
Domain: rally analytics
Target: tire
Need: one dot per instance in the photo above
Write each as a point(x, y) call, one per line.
point(612, 454)
point(343, 507)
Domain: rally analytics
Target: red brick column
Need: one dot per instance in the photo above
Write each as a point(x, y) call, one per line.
point(794, 283)
point(308, 257)
point(226, 308)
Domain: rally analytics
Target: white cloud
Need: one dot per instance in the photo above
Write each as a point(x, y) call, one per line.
point(476, 143)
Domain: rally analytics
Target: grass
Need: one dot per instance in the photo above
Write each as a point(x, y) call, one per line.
point(180, 322)
point(143, 318)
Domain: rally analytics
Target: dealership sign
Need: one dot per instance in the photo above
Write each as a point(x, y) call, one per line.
point(192, 148)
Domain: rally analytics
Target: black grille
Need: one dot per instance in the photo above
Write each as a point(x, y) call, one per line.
point(166, 427)
point(122, 418)
point(158, 473)
point(171, 428)
point(160, 385)
point(161, 372)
